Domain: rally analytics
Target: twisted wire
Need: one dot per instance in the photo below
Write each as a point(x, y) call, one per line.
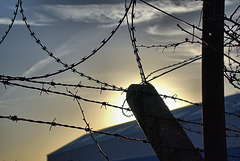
point(131, 30)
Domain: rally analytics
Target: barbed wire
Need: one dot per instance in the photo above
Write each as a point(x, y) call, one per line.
point(232, 31)
point(231, 75)
point(172, 65)
point(69, 93)
point(87, 129)
point(132, 30)
point(180, 65)
point(53, 123)
point(24, 18)
point(67, 66)
point(233, 156)
point(48, 90)
point(54, 83)
point(12, 22)
point(88, 126)
point(175, 45)
point(170, 15)
point(237, 115)
point(192, 130)
point(6, 79)
point(90, 78)
point(201, 124)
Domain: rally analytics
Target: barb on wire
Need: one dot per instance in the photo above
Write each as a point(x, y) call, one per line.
point(174, 97)
point(52, 124)
point(12, 22)
point(192, 34)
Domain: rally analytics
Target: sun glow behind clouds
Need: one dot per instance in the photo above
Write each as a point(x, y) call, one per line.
point(125, 116)
point(171, 103)
point(122, 116)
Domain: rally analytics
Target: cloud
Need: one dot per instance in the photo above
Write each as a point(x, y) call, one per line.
point(7, 21)
point(176, 6)
point(154, 30)
point(39, 65)
point(104, 13)
point(60, 52)
point(108, 14)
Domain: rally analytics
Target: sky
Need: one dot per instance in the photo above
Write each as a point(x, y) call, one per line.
point(71, 30)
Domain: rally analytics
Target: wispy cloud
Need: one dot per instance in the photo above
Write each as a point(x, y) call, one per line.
point(178, 6)
point(60, 52)
point(110, 13)
point(154, 30)
point(7, 21)
point(104, 13)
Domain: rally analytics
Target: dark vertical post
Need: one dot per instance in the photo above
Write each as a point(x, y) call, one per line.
point(213, 82)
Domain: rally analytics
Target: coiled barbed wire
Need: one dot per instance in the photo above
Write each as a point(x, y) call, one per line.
point(12, 22)
point(72, 66)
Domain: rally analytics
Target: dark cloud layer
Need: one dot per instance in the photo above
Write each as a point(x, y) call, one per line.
point(79, 2)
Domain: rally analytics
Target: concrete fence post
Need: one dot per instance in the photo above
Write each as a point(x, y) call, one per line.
point(165, 134)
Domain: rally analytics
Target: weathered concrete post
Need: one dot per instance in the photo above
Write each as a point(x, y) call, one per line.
point(165, 134)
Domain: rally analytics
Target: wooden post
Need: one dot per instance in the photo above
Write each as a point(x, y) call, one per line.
point(165, 134)
point(213, 82)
